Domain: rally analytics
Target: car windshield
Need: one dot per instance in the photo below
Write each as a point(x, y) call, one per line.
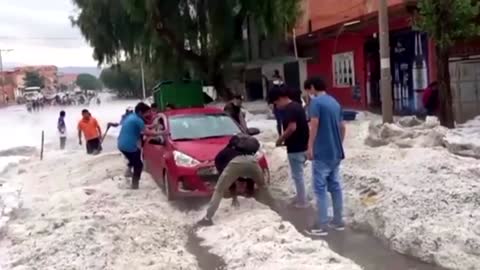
point(192, 127)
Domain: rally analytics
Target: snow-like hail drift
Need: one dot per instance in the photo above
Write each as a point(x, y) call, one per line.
point(78, 213)
point(73, 211)
point(407, 184)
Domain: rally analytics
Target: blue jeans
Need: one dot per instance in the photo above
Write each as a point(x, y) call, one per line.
point(297, 162)
point(326, 176)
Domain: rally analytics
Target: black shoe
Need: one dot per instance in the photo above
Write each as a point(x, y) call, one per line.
point(205, 222)
point(318, 230)
point(135, 184)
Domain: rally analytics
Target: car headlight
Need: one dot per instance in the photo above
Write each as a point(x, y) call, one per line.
point(184, 160)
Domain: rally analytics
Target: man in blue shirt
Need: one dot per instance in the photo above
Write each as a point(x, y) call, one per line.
point(325, 149)
point(133, 128)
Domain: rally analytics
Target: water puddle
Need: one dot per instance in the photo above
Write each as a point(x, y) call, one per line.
point(205, 259)
point(363, 248)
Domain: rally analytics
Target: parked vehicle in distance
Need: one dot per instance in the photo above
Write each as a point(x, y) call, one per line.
point(182, 162)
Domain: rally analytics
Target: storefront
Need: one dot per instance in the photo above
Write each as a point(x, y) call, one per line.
point(350, 63)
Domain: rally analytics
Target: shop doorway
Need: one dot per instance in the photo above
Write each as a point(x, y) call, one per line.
point(372, 61)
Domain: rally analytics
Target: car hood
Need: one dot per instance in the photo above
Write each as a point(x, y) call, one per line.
point(202, 150)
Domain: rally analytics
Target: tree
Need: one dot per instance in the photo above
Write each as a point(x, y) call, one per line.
point(33, 79)
point(88, 82)
point(124, 78)
point(179, 34)
point(447, 21)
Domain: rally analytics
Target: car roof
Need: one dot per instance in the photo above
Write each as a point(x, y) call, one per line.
point(193, 111)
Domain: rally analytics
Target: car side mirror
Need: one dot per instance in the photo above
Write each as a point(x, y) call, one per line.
point(253, 131)
point(157, 141)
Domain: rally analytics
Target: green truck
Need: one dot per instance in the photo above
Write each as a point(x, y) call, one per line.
point(181, 94)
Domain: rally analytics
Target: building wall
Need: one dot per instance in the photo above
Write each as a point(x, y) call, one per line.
point(7, 89)
point(346, 42)
point(326, 13)
point(67, 79)
point(324, 67)
point(49, 73)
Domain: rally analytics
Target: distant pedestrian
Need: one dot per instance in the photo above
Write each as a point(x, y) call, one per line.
point(430, 99)
point(277, 78)
point(62, 130)
point(91, 131)
point(295, 137)
point(234, 110)
point(325, 149)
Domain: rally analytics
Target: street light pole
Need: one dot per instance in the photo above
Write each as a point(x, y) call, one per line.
point(386, 77)
point(143, 81)
point(1, 72)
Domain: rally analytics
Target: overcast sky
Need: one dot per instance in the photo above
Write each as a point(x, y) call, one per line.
point(40, 33)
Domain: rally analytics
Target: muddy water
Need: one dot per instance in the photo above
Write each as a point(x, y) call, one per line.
point(362, 248)
point(206, 260)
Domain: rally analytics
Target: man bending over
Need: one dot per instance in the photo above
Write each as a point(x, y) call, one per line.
point(237, 161)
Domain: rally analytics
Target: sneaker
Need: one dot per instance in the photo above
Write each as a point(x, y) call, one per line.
point(205, 222)
point(318, 230)
point(337, 226)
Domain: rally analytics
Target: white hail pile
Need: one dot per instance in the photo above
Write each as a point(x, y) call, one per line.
point(402, 183)
point(255, 237)
point(79, 214)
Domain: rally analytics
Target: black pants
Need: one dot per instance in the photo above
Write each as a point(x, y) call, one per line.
point(94, 146)
point(135, 161)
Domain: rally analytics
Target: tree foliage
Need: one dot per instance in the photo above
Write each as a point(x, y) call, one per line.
point(88, 82)
point(447, 21)
point(178, 35)
point(125, 78)
point(33, 79)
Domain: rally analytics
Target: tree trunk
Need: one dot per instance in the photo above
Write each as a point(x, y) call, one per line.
point(445, 112)
point(218, 82)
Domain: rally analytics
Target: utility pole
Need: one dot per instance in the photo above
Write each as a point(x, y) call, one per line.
point(386, 76)
point(2, 93)
point(143, 80)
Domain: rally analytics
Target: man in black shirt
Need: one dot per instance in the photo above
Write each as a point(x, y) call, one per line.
point(234, 109)
point(236, 162)
point(295, 138)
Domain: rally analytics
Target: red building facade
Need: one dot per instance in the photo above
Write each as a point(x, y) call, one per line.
point(342, 45)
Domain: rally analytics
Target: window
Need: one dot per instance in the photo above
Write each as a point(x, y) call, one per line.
point(343, 70)
point(191, 127)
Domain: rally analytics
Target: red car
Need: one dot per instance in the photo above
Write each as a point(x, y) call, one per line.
point(182, 162)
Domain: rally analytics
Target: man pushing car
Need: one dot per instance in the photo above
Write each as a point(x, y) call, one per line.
point(237, 162)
